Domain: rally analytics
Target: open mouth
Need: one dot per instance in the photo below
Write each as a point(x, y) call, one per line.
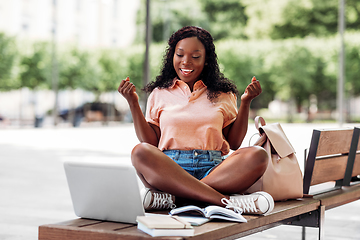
point(186, 71)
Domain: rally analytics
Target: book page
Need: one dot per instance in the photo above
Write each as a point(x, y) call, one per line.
point(188, 210)
point(224, 213)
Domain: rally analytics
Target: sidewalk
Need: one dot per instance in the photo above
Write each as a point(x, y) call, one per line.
point(34, 190)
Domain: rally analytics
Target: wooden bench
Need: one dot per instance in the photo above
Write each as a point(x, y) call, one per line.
point(333, 156)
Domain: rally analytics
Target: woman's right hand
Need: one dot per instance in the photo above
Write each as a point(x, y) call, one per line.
point(128, 90)
point(144, 131)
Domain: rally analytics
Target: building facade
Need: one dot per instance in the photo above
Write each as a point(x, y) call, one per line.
point(86, 23)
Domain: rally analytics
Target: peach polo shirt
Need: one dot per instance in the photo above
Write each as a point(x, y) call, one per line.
point(189, 120)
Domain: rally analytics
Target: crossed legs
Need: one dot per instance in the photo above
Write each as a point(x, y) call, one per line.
point(234, 175)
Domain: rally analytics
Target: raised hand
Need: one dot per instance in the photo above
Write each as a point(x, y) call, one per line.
point(252, 91)
point(128, 90)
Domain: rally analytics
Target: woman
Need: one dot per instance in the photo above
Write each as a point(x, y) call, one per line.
point(191, 124)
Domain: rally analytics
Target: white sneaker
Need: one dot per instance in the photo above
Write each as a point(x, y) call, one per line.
point(156, 200)
point(255, 203)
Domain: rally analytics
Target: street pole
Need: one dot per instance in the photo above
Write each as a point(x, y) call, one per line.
point(146, 78)
point(54, 65)
point(341, 77)
point(166, 28)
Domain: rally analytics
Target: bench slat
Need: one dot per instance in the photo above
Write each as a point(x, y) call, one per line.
point(61, 232)
point(97, 230)
point(80, 222)
point(112, 226)
point(339, 197)
point(334, 142)
point(329, 169)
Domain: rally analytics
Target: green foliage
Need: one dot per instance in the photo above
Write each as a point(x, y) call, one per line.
point(290, 69)
point(135, 61)
point(227, 18)
point(167, 16)
point(326, 96)
point(113, 66)
point(133, 57)
point(243, 19)
point(293, 50)
point(352, 69)
point(35, 67)
point(157, 52)
point(293, 69)
point(240, 61)
point(78, 69)
point(224, 19)
point(8, 56)
point(297, 18)
point(304, 17)
point(352, 12)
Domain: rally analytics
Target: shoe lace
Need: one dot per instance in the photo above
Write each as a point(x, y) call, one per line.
point(244, 203)
point(163, 200)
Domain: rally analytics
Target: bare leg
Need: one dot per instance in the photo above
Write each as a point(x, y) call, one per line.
point(159, 171)
point(234, 175)
point(238, 171)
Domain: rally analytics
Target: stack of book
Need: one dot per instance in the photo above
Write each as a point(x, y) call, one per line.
point(181, 220)
point(164, 225)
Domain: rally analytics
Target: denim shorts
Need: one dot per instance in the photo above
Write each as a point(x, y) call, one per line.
point(198, 163)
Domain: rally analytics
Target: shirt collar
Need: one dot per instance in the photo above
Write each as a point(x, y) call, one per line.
point(198, 84)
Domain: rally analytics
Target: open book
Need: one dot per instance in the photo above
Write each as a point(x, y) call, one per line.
point(210, 212)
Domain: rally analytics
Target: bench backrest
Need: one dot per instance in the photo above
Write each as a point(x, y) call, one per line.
point(328, 157)
point(353, 166)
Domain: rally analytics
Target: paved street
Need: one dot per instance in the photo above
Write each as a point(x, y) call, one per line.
point(33, 187)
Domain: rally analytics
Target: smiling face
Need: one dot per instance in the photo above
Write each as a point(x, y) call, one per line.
point(189, 60)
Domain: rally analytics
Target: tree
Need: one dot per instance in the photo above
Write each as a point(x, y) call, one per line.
point(167, 16)
point(8, 56)
point(135, 60)
point(298, 18)
point(352, 69)
point(226, 19)
point(323, 86)
point(303, 18)
point(262, 16)
point(35, 68)
point(292, 75)
point(34, 74)
point(352, 14)
point(113, 67)
point(240, 61)
point(78, 69)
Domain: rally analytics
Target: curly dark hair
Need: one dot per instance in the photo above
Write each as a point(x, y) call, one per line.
point(211, 75)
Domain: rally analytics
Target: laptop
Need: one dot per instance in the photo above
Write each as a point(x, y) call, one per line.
point(104, 190)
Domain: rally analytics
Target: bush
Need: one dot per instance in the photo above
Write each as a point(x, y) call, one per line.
point(291, 69)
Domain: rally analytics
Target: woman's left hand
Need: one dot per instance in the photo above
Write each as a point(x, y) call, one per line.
point(252, 91)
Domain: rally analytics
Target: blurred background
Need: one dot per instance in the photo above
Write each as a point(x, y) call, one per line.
point(62, 61)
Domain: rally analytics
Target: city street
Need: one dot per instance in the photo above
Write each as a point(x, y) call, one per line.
point(34, 190)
